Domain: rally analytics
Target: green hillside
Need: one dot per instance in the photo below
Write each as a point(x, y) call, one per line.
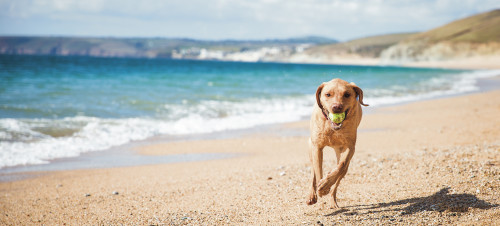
point(481, 28)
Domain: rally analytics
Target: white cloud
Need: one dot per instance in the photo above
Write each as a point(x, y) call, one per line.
point(240, 19)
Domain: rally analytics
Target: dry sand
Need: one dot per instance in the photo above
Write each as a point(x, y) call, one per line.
point(429, 162)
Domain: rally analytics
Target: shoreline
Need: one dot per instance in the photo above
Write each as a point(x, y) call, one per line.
point(123, 154)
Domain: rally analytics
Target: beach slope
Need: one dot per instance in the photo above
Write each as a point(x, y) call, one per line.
point(429, 162)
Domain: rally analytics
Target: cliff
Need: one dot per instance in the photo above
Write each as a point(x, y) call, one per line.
point(473, 37)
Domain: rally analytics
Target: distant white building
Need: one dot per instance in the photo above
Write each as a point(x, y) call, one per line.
point(274, 53)
point(211, 54)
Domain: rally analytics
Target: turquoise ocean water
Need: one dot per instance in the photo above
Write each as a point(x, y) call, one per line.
point(54, 107)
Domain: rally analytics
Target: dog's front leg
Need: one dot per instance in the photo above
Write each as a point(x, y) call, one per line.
point(316, 156)
point(336, 174)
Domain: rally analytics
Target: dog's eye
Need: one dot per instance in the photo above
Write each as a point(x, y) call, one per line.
point(327, 95)
point(347, 95)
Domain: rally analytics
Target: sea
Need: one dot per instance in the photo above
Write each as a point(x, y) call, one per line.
point(54, 107)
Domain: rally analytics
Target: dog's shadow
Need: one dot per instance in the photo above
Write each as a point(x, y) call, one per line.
point(440, 201)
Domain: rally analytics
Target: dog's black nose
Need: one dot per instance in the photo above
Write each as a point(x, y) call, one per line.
point(337, 108)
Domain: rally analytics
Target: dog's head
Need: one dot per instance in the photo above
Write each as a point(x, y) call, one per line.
point(338, 96)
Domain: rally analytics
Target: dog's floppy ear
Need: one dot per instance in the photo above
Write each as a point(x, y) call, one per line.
point(359, 93)
point(318, 100)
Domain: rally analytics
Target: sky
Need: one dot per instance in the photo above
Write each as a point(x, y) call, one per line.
point(231, 19)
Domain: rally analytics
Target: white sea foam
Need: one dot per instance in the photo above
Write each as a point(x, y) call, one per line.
point(433, 88)
point(96, 134)
point(24, 141)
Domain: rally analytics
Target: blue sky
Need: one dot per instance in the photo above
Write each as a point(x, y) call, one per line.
point(231, 19)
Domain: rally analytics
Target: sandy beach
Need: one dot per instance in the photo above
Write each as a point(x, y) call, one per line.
point(428, 162)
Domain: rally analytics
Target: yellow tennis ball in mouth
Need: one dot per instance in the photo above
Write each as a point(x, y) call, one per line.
point(337, 117)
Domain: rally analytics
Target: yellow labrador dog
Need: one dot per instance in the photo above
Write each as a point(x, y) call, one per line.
point(335, 96)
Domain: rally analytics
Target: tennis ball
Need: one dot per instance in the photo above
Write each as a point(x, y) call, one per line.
point(337, 117)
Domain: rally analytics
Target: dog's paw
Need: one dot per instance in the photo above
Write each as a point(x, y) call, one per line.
point(312, 200)
point(335, 205)
point(323, 187)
